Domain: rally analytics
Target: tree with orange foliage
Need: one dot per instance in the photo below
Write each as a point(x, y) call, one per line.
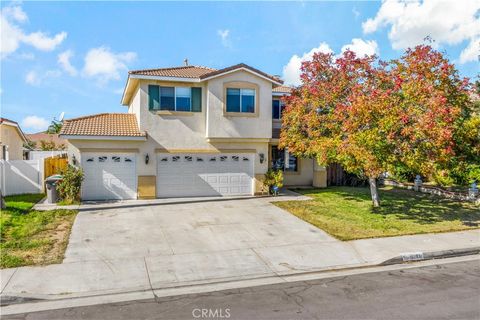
point(371, 116)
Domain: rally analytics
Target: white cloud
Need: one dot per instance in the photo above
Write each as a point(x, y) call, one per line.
point(105, 65)
point(43, 42)
point(15, 13)
point(35, 78)
point(12, 35)
point(35, 123)
point(64, 61)
point(362, 47)
point(471, 52)
point(446, 22)
point(32, 78)
point(224, 36)
point(291, 71)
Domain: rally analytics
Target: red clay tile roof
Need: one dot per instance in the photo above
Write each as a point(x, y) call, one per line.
point(282, 89)
point(36, 137)
point(103, 124)
point(194, 72)
point(198, 72)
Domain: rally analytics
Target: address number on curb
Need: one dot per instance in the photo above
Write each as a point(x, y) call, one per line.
point(412, 256)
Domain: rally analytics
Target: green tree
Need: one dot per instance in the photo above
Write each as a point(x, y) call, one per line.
point(55, 127)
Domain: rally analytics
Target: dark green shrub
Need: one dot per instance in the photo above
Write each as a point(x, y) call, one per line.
point(69, 187)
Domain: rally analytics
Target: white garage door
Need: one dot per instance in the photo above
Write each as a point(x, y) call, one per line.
point(187, 175)
point(109, 176)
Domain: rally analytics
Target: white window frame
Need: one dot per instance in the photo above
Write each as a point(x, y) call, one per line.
point(241, 94)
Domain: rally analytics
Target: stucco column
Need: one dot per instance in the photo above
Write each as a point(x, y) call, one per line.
point(319, 175)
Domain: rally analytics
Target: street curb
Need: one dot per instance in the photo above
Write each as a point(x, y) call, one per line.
point(23, 305)
point(422, 256)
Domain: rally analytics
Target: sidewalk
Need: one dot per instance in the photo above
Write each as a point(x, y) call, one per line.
point(152, 273)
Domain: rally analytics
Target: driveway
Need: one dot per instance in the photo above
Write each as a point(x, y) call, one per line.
point(150, 245)
point(219, 237)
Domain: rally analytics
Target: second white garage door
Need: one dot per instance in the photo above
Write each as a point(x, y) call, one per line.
point(190, 175)
point(109, 176)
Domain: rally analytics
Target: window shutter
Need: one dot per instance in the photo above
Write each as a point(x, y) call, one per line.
point(196, 99)
point(153, 97)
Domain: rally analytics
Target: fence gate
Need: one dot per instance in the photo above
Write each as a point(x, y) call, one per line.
point(336, 176)
point(54, 165)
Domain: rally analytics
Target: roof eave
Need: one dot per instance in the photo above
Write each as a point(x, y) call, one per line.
point(97, 137)
point(126, 98)
point(280, 94)
point(244, 69)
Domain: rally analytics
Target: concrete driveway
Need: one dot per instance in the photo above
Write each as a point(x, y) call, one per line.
point(212, 238)
point(161, 245)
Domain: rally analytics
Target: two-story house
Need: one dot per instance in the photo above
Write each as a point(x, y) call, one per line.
point(189, 131)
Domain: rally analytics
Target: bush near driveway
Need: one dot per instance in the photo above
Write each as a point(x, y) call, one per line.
point(32, 237)
point(347, 212)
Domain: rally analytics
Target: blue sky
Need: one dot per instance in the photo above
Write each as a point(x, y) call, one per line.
point(74, 57)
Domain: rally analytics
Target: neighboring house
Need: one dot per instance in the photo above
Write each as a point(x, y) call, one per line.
point(12, 140)
point(48, 138)
point(189, 131)
point(45, 145)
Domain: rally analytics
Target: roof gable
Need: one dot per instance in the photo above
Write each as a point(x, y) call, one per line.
point(12, 123)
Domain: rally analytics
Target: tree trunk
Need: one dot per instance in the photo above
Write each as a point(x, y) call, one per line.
point(374, 192)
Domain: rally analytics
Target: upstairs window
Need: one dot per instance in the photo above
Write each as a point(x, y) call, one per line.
point(277, 109)
point(240, 100)
point(183, 99)
point(174, 98)
point(167, 98)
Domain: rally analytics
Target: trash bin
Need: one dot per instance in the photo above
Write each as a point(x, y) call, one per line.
point(51, 184)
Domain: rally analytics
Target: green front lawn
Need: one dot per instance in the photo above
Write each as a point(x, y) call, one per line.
point(32, 237)
point(347, 212)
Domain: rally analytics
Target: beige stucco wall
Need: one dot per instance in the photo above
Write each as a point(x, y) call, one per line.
point(10, 137)
point(135, 104)
point(184, 130)
point(220, 125)
point(304, 177)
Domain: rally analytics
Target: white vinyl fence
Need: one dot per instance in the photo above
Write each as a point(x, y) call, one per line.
point(21, 176)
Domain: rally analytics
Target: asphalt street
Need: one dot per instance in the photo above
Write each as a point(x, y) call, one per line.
point(441, 291)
